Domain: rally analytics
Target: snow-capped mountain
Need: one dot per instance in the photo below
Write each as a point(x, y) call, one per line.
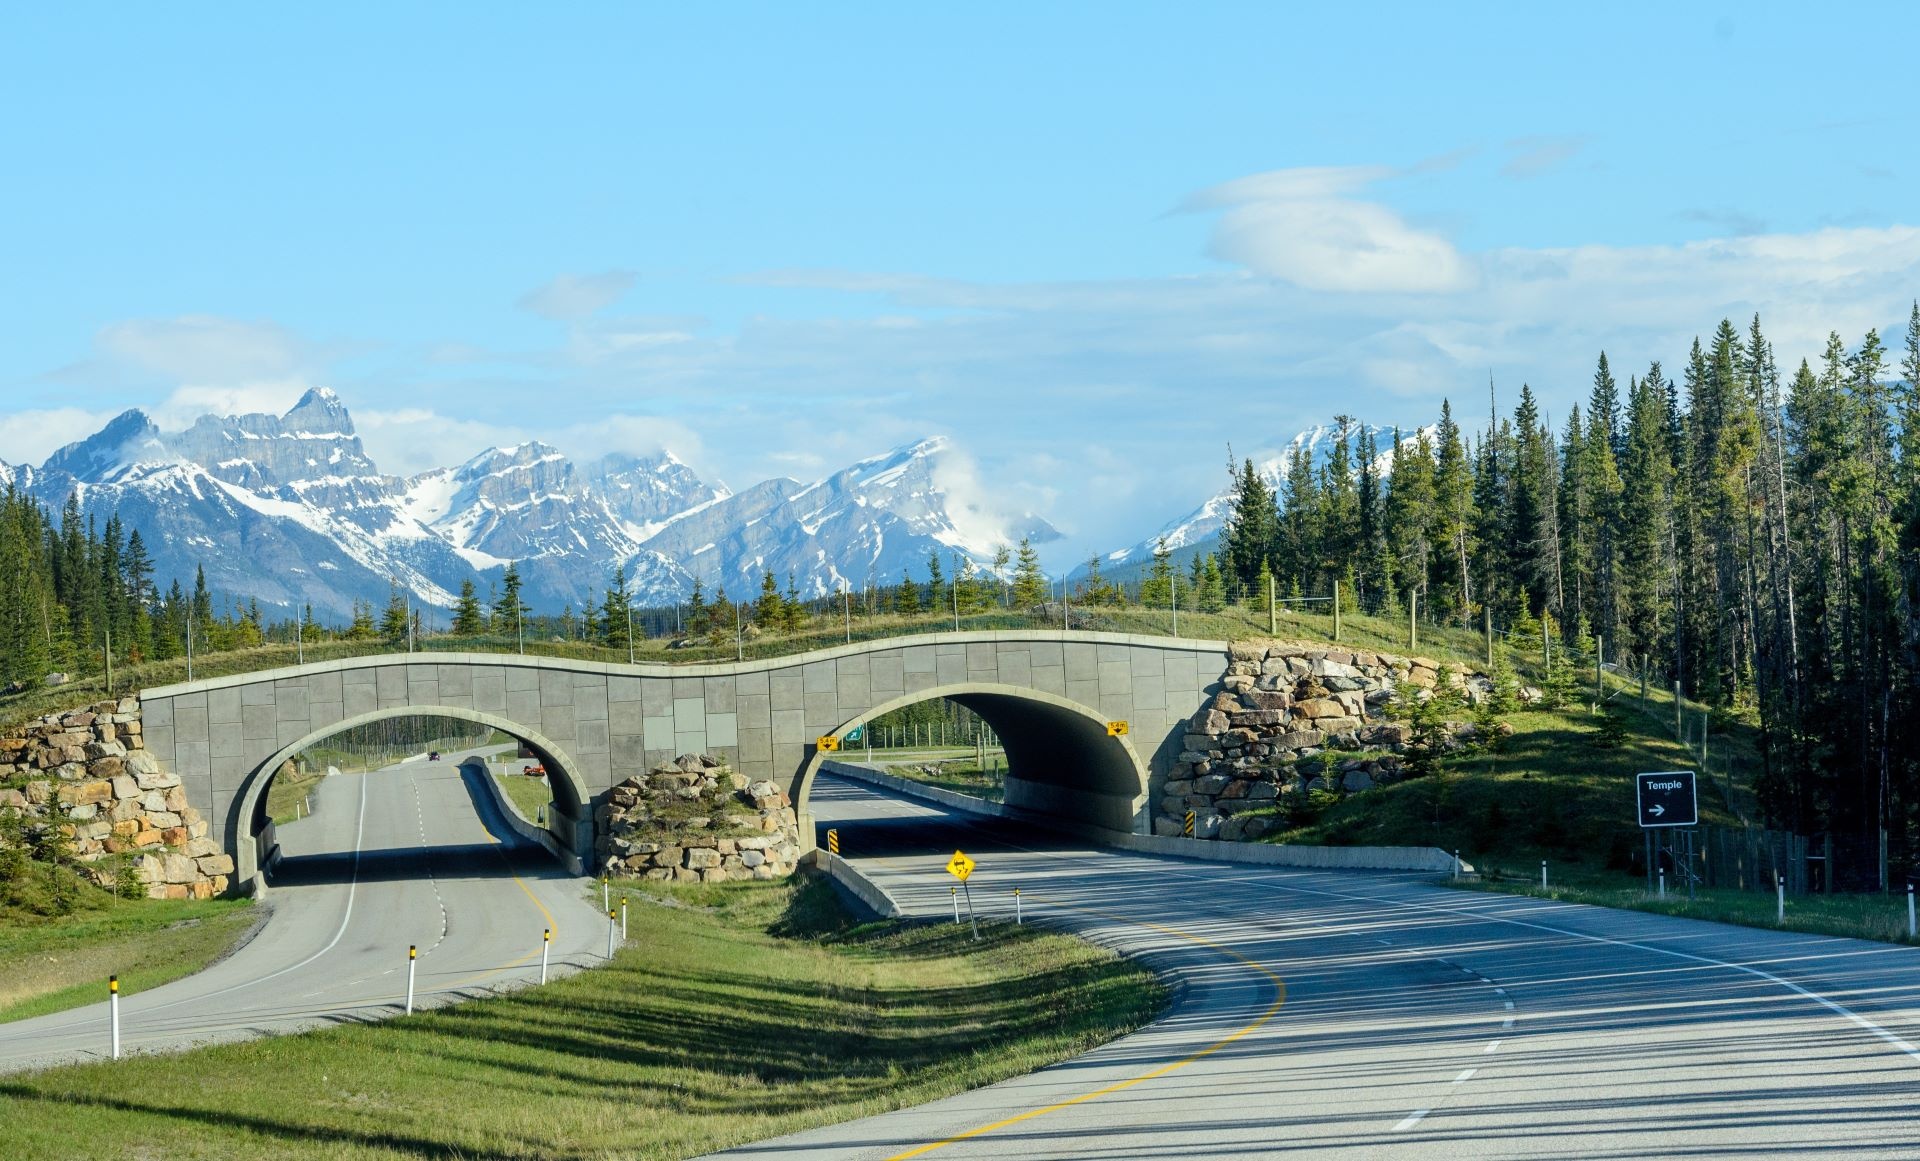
point(290, 510)
point(1199, 530)
point(870, 523)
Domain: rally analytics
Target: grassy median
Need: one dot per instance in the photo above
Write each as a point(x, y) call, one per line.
point(50, 964)
point(738, 1012)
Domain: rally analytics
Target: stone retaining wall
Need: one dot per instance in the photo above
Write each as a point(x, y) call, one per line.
point(1280, 702)
point(697, 821)
point(88, 773)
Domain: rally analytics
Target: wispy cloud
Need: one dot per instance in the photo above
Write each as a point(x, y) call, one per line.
point(1305, 226)
point(1534, 156)
point(573, 297)
point(1727, 221)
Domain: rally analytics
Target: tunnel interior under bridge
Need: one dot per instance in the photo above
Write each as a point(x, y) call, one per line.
point(1063, 764)
point(567, 829)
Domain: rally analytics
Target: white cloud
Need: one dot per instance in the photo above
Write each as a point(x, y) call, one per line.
point(1303, 227)
point(573, 297)
point(186, 404)
point(206, 349)
point(29, 437)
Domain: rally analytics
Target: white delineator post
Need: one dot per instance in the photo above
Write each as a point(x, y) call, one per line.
point(1017, 920)
point(611, 922)
point(1663, 882)
point(956, 903)
point(546, 941)
point(1780, 899)
point(623, 919)
point(1913, 932)
point(1543, 874)
point(413, 958)
point(606, 900)
point(113, 1012)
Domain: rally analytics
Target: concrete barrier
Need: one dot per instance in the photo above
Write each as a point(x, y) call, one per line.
point(518, 823)
point(1420, 859)
point(854, 885)
point(907, 787)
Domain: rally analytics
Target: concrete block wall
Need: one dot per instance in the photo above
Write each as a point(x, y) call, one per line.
point(601, 723)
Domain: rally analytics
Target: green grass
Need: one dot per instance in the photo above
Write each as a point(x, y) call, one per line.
point(52, 964)
point(287, 790)
point(1548, 793)
point(1878, 917)
point(747, 1011)
point(960, 775)
point(821, 633)
point(527, 794)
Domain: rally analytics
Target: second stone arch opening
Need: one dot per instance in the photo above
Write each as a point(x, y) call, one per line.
point(1036, 752)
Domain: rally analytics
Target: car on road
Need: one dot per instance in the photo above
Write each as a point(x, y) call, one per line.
point(434, 756)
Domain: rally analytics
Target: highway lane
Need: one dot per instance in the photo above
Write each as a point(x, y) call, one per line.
point(402, 855)
point(1379, 1016)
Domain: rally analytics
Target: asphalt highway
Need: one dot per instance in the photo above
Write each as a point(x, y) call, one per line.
point(413, 854)
point(1371, 1015)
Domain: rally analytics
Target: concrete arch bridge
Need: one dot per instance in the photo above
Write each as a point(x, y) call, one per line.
point(1049, 696)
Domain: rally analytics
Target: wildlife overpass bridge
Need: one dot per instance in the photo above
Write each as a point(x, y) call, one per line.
point(1049, 696)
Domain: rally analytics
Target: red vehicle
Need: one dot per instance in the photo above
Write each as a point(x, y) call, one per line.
point(534, 771)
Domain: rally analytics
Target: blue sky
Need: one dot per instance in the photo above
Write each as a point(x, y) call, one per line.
point(1093, 244)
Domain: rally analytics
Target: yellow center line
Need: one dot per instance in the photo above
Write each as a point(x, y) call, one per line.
point(511, 964)
point(1279, 1000)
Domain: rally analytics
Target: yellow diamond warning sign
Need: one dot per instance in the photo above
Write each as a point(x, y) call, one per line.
point(960, 866)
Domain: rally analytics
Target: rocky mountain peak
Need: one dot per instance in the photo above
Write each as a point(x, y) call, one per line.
point(128, 438)
point(314, 440)
point(319, 412)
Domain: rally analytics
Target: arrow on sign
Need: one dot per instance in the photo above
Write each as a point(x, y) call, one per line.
point(1656, 810)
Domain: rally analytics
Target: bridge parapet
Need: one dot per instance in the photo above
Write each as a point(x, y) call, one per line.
point(1047, 694)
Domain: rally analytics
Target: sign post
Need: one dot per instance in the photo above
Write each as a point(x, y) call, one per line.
point(960, 866)
point(1667, 799)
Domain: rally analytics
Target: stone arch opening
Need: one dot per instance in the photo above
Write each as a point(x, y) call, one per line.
point(1062, 764)
point(568, 833)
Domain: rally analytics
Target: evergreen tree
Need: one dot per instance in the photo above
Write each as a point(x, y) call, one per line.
point(468, 619)
point(938, 598)
point(398, 618)
point(1252, 529)
point(616, 611)
point(510, 612)
point(1409, 519)
point(792, 611)
point(769, 612)
point(1156, 592)
point(1029, 585)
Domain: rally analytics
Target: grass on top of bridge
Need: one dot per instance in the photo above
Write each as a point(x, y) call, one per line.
point(1233, 622)
point(740, 1012)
